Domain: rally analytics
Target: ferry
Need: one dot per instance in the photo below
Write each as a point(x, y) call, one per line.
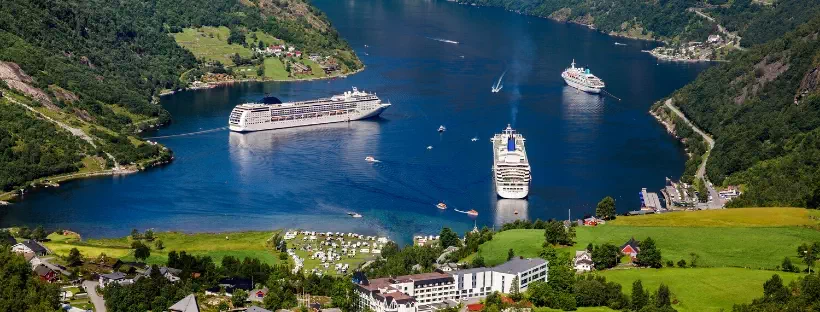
point(580, 78)
point(349, 106)
point(511, 167)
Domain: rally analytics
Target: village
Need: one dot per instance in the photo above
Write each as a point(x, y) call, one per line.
point(715, 48)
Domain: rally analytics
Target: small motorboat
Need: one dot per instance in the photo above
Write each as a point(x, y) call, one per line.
point(472, 212)
point(474, 139)
point(429, 147)
point(441, 128)
point(370, 159)
point(353, 214)
point(441, 206)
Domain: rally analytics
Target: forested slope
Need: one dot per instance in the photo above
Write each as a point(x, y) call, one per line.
point(671, 20)
point(763, 108)
point(99, 66)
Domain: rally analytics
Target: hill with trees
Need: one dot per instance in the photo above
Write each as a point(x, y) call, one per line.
point(672, 20)
point(763, 109)
point(96, 68)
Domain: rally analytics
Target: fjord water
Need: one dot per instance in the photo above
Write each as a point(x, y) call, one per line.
point(582, 147)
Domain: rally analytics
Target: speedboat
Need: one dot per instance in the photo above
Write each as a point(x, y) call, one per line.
point(429, 147)
point(354, 214)
point(474, 139)
point(441, 128)
point(370, 159)
point(472, 212)
point(441, 206)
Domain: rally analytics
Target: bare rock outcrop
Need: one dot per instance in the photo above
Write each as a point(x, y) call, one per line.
point(16, 79)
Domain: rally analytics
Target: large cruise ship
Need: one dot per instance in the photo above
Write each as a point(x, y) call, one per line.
point(351, 105)
point(511, 168)
point(580, 78)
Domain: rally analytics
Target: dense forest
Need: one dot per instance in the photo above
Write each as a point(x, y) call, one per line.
point(763, 108)
point(670, 20)
point(102, 64)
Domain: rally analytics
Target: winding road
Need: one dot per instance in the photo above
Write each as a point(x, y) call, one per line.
point(716, 202)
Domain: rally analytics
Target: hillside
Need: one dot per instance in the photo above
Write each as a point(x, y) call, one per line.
point(672, 21)
point(763, 109)
point(93, 70)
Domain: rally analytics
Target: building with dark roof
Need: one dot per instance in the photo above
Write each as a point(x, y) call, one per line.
point(30, 246)
point(46, 274)
point(631, 248)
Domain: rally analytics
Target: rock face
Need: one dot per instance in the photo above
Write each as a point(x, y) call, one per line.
point(809, 85)
point(16, 79)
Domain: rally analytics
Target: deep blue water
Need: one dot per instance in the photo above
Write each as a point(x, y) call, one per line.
point(582, 147)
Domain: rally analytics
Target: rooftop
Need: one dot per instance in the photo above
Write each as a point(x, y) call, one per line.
point(519, 265)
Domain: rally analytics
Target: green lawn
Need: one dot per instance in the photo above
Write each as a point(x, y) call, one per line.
point(215, 245)
point(757, 238)
point(753, 247)
point(210, 43)
point(746, 217)
point(701, 289)
point(274, 69)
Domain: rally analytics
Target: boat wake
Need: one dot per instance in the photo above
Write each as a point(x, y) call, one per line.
point(498, 86)
point(443, 40)
point(188, 134)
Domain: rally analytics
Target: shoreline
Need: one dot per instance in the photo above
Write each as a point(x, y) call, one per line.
point(6, 198)
point(211, 85)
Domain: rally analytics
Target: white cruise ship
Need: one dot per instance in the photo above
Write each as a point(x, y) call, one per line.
point(511, 168)
point(580, 78)
point(352, 105)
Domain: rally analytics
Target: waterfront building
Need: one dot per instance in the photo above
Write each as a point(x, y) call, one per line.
point(431, 291)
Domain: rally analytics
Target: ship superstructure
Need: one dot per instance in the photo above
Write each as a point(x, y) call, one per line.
point(351, 105)
point(581, 79)
point(511, 168)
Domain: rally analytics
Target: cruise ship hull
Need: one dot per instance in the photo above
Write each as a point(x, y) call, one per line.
point(512, 192)
point(581, 87)
point(272, 125)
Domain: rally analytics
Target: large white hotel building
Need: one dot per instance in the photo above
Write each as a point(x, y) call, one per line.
point(430, 291)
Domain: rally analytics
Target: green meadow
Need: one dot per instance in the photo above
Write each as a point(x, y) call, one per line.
point(701, 289)
point(215, 245)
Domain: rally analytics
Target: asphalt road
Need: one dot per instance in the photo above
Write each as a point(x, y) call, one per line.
point(96, 299)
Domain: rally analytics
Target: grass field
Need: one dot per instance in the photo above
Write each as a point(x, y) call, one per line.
point(274, 69)
point(743, 241)
point(717, 247)
point(746, 217)
point(210, 43)
point(701, 289)
point(215, 245)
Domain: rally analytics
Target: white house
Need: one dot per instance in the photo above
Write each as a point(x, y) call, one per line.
point(30, 246)
point(116, 277)
point(583, 261)
point(424, 292)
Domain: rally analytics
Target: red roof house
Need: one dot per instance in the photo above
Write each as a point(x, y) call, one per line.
point(631, 248)
point(475, 307)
